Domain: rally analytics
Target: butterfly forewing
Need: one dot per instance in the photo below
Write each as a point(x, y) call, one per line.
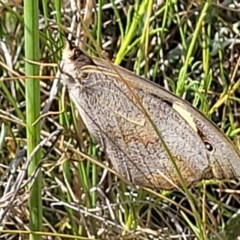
point(114, 118)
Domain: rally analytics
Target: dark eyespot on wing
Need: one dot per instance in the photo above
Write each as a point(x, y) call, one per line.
point(209, 146)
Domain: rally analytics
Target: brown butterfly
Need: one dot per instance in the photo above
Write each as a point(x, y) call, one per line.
point(114, 117)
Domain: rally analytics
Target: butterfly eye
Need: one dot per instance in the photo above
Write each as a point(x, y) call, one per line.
point(208, 145)
point(77, 53)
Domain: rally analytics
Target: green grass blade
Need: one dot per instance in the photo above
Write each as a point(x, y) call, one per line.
point(31, 32)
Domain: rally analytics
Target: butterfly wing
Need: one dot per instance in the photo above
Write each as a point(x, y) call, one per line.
point(117, 121)
point(223, 155)
point(114, 118)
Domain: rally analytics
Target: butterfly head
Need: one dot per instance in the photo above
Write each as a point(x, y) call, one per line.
point(73, 59)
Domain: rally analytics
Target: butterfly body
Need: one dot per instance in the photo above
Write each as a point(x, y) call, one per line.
point(111, 111)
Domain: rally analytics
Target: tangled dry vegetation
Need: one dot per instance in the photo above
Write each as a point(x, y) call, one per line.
point(81, 198)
